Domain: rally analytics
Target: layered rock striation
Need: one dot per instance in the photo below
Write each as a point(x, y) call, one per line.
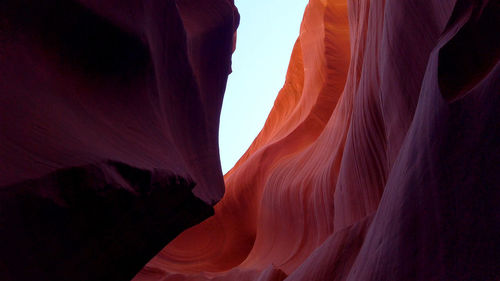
point(379, 160)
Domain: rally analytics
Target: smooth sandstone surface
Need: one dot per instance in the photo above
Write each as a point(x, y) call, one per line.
point(379, 160)
point(126, 81)
point(109, 116)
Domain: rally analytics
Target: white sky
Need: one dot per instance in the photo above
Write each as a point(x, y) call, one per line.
point(266, 35)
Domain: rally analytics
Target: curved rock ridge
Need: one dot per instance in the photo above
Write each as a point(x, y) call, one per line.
point(379, 160)
point(127, 81)
point(108, 131)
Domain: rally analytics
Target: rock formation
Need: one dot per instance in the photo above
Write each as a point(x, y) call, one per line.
point(109, 124)
point(380, 159)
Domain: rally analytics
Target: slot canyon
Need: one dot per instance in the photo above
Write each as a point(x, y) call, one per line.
point(379, 161)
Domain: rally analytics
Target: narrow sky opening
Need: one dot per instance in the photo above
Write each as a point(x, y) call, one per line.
point(266, 35)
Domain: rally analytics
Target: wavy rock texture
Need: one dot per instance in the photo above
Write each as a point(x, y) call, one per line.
point(379, 161)
point(109, 124)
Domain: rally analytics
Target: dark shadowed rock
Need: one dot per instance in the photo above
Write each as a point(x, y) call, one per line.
point(109, 115)
point(94, 222)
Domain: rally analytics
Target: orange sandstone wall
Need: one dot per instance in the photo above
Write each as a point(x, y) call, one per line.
point(379, 160)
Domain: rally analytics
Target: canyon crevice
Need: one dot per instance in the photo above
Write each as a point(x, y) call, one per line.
point(380, 159)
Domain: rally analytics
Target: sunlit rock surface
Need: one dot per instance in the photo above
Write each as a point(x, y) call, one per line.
point(379, 161)
point(108, 131)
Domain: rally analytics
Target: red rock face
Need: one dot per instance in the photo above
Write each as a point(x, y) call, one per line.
point(379, 160)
